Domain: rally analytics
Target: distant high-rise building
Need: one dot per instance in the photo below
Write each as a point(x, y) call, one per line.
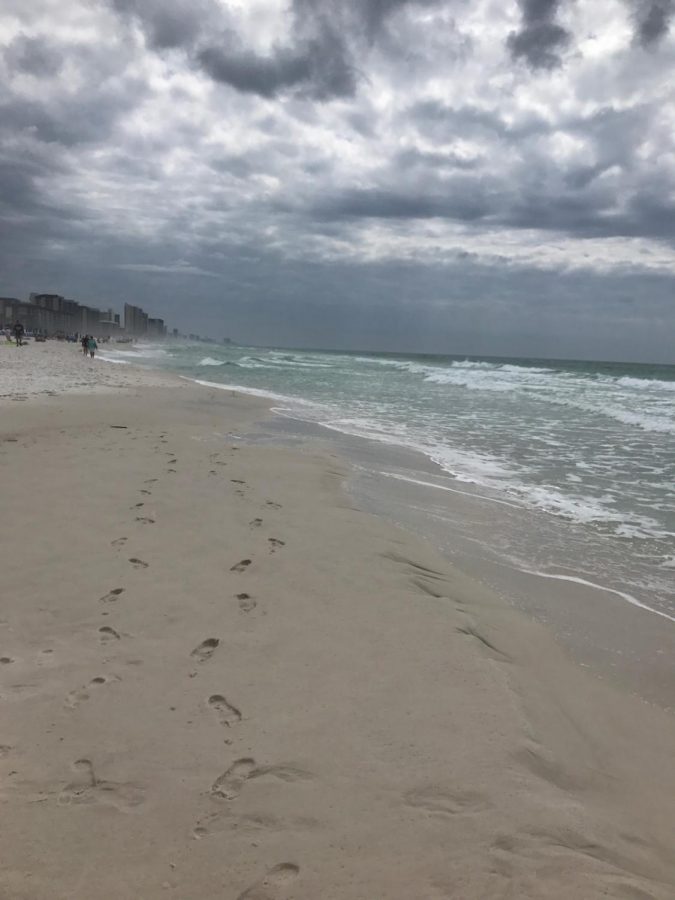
point(156, 328)
point(135, 321)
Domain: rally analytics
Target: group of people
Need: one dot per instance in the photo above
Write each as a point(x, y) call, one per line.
point(18, 332)
point(89, 345)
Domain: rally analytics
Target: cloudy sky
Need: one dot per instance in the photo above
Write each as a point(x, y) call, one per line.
point(479, 176)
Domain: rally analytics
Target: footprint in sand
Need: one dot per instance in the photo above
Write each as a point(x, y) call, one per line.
point(228, 786)
point(241, 566)
point(150, 481)
point(255, 523)
point(274, 543)
point(205, 650)
point(272, 504)
point(237, 481)
point(274, 885)
point(87, 788)
point(112, 596)
point(439, 801)
point(138, 563)
point(171, 470)
point(74, 698)
point(246, 602)
point(6, 660)
point(228, 715)
point(145, 520)
point(119, 542)
point(147, 493)
point(108, 634)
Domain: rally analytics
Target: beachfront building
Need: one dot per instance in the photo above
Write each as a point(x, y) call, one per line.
point(156, 328)
point(42, 313)
point(109, 324)
point(52, 314)
point(135, 321)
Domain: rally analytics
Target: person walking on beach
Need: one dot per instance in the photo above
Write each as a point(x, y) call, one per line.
point(92, 346)
point(18, 334)
point(84, 341)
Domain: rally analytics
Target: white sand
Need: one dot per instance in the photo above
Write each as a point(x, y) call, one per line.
point(56, 367)
point(245, 688)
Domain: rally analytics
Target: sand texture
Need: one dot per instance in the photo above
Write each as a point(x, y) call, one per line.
point(56, 368)
point(220, 680)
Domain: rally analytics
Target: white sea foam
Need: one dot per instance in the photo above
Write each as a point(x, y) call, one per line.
point(450, 490)
point(252, 362)
point(629, 598)
point(646, 383)
point(210, 361)
point(255, 392)
point(111, 359)
point(292, 361)
point(141, 351)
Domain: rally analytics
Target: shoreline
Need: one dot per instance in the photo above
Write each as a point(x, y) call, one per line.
point(648, 675)
point(248, 687)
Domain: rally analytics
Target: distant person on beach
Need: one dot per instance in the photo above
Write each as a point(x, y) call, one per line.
point(84, 342)
point(18, 334)
point(92, 346)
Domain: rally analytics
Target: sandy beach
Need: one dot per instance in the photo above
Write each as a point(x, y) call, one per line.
point(220, 679)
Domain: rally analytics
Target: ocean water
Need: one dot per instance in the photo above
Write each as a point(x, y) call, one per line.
point(588, 448)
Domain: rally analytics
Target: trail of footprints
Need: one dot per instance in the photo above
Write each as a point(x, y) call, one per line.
point(86, 787)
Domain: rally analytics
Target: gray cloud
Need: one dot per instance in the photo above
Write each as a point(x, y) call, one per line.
point(653, 20)
point(170, 24)
point(34, 55)
point(320, 67)
point(540, 39)
point(318, 62)
point(357, 179)
point(463, 200)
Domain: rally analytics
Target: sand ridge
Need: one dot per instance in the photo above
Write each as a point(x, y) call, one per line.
point(264, 693)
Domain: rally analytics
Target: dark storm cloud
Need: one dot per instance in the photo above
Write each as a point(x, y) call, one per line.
point(464, 200)
point(71, 120)
point(550, 194)
point(317, 62)
point(34, 56)
point(540, 40)
point(652, 20)
point(320, 67)
point(169, 24)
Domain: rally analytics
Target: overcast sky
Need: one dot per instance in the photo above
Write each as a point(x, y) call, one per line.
point(464, 176)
